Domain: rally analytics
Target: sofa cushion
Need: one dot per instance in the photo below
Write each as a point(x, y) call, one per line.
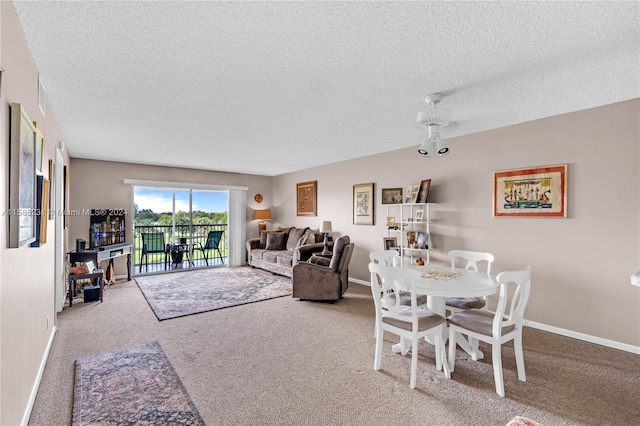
point(257, 253)
point(285, 258)
point(276, 241)
point(294, 236)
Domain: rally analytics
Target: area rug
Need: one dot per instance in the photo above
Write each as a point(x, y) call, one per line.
point(191, 292)
point(132, 386)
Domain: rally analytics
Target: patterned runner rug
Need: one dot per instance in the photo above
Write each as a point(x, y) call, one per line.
point(192, 292)
point(132, 386)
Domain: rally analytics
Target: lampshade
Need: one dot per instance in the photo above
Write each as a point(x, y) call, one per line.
point(262, 214)
point(326, 226)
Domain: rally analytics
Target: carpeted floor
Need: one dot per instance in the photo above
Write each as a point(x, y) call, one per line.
point(192, 292)
point(131, 386)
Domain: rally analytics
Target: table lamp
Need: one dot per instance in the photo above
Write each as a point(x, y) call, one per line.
point(325, 228)
point(262, 215)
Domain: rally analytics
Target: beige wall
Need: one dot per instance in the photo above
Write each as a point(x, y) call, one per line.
point(581, 265)
point(26, 274)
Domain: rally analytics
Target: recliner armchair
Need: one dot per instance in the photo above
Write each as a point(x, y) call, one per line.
point(318, 281)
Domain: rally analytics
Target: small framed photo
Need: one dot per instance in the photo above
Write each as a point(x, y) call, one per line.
point(412, 194)
point(390, 243)
point(91, 267)
point(391, 195)
point(423, 193)
point(423, 240)
point(419, 215)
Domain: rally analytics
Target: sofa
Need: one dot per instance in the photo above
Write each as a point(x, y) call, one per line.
point(280, 250)
point(322, 279)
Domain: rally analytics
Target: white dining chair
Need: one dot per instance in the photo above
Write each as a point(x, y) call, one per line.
point(496, 328)
point(407, 321)
point(472, 258)
point(392, 258)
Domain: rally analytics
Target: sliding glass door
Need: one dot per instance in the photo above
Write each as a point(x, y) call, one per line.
point(172, 226)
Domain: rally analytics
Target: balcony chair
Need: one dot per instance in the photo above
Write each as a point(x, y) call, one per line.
point(457, 304)
point(213, 243)
point(152, 242)
point(406, 321)
point(326, 280)
point(495, 328)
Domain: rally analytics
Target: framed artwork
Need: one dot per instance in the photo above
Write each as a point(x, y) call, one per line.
point(423, 192)
point(363, 204)
point(39, 148)
point(65, 195)
point(390, 243)
point(52, 189)
point(41, 212)
point(22, 179)
point(531, 192)
point(391, 195)
point(412, 194)
point(307, 197)
point(423, 240)
point(419, 215)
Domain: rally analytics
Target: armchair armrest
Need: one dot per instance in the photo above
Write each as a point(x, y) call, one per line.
point(304, 253)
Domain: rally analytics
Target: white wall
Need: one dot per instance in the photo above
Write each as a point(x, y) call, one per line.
point(581, 265)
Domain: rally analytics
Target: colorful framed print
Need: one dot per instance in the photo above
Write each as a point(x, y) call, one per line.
point(307, 198)
point(531, 192)
point(363, 213)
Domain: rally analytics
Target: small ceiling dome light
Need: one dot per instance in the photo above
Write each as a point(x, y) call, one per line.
point(434, 119)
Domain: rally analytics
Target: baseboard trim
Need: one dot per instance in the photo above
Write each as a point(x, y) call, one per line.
point(561, 331)
point(36, 384)
point(584, 337)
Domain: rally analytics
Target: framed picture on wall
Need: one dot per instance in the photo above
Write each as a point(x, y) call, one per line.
point(306, 199)
point(363, 213)
point(531, 192)
point(22, 179)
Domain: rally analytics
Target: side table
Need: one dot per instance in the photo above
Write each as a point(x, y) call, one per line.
point(96, 277)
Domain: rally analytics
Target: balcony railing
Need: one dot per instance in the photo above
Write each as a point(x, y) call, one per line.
point(174, 235)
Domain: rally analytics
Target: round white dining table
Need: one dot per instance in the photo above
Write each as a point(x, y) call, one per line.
point(450, 282)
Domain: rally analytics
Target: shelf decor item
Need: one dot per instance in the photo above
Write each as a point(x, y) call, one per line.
point(531, 192)
point(411, 195)
point(423, 192)
point(422, 241)
point(307, 197)
point(363, 213)
point(22, 179)
point(391, 195)
point(419, 215)
point(390, 243)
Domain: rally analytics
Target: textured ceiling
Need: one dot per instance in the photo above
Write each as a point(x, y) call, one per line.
point(273, 87)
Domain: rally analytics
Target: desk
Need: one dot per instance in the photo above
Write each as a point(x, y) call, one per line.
point(469, 284)
point(96, 277)
point(177, 250)
point(104, 253)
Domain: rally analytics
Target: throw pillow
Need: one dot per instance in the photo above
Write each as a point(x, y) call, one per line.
point(294, 236)
point(276, 241)
point(307, 238)
point(263, 239)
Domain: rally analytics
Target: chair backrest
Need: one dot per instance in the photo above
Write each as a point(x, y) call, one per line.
point(213, 239)
point(338, 249)
point(384, 280)
point(386, 257)
point(515, 300)
point(153, 242)
point(472, 258)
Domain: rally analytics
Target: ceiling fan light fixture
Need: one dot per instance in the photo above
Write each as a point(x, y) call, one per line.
point(425, 148)
point(441, 147)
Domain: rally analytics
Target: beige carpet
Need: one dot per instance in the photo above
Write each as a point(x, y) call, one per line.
point(286, 362)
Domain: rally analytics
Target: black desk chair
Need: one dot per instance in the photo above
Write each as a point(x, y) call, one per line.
point(213, 243)
point(152, 242)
